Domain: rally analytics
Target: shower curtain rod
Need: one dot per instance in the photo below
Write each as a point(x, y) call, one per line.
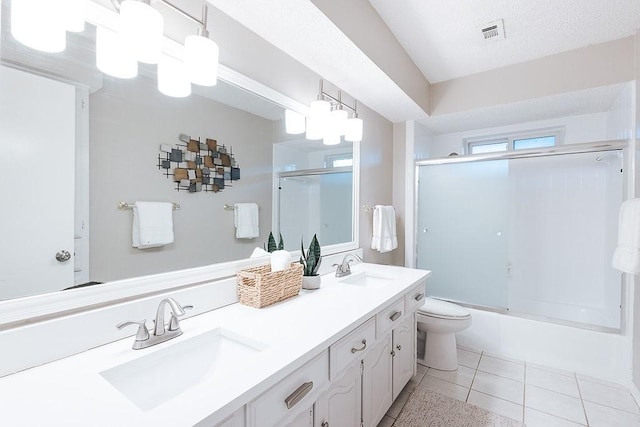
point(307, 172)
point(591, 147)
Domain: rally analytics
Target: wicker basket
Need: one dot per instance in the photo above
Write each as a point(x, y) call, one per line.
point(259, 287)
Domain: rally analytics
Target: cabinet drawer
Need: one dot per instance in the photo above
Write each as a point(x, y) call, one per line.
point(351, 347)
point(294, 394)
point(389, 317)
point(415, 297)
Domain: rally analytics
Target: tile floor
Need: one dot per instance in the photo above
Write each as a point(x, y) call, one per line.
point(539, 396)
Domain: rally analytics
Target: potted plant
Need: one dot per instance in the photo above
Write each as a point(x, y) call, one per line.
point(271, 246)
point(311, 263)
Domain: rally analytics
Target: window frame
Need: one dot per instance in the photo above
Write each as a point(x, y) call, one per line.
point(510, 138)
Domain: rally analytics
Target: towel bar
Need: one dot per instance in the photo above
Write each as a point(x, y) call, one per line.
point(227, 207)
point(124, 206)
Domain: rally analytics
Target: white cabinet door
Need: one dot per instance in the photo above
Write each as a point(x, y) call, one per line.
point(377, 381)
point(234, 420)
point(304, 419)
point(341, 406)
point(404, 353)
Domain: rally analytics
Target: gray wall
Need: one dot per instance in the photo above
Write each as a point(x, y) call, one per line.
point(129, 119)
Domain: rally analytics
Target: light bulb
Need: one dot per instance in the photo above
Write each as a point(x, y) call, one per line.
point(294, 122)
point(173, 79)
point(112, 57)
point(317, 121)
point(353, 130)
point(142, 27)
point(37, 24)
point(201, 59)
point(73, 14)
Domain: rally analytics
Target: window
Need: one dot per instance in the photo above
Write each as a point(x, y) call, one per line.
point(527, 141)
point(338, 160)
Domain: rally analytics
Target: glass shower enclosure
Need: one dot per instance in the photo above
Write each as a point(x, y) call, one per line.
point(530, 233)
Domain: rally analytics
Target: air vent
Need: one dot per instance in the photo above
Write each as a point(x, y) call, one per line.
point(493, 31)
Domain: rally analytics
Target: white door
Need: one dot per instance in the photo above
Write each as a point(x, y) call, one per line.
point(37, 136)
point(341, 406)
point(377, 383)
point(404, 351)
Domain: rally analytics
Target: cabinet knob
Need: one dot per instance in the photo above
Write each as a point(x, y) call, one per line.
point(62, 256)
point(324, 424)
point(399, 347)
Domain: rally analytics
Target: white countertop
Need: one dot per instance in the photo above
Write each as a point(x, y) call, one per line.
point(71, 391)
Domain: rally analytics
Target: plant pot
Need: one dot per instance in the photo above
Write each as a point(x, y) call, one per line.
point(311, 282)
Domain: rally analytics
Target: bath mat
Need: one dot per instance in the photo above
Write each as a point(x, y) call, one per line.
point(427, 408)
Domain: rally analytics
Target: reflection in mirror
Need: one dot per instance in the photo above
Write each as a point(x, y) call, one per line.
point(64, 122)
point(315, 192)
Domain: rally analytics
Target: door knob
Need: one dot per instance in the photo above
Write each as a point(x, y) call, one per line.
point(63, 256)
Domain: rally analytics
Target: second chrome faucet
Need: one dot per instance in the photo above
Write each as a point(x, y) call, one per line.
point(161, 332)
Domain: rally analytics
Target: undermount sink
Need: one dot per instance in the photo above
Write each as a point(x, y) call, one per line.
point(157, 377)
point(365, 278)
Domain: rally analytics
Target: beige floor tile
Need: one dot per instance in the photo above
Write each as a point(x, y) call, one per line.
point(462, 376)
point(533, 418)
point(558, 404)
point(552, 381)
point(468, 358)
point(600, 381)
point(554, 370)
point(444, 387)
point(604, 416)
point(493, 404)
point(501, 367)
point(472, 350)
point(503, 388)
point(615, 397)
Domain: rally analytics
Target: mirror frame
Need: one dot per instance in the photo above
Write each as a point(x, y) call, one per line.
point(37, 308)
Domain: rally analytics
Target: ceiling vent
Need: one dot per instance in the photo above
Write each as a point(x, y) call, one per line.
point(493, 31)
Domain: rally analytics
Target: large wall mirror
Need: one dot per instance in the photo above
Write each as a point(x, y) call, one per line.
point(76, 143)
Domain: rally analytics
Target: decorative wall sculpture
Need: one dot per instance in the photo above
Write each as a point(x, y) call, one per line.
point(198, 166)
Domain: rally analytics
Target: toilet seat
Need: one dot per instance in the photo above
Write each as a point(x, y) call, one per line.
point(443, 310)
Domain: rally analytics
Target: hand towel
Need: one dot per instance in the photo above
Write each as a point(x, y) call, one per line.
point(152, 224)
point(627, 255)
point(280, 260)
point(384, 229)
point(246, 220)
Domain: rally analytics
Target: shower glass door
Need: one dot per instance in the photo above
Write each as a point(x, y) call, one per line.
point(462, 225)
point(531, 235)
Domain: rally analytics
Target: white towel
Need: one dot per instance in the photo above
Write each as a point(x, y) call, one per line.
point(627, 255)
point(152, 224)
point(246, 220)
point(384, 229)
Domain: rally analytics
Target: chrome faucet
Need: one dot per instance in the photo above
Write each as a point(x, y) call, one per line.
point(161, 332)
point(344, 269)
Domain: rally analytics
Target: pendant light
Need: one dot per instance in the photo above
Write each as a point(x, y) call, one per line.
point(38, 25)
point(173, 79)
point(112, 57)
point(354, 126)
point(201, 55)
point(142, 27)
point(294, 122)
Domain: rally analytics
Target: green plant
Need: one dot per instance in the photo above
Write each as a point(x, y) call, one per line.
point(272, 247)
point(312, 259)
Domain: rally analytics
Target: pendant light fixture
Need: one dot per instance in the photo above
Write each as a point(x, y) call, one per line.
point(173, 79)
point(201, 55)
point(112, 56)
point(38, 25)
point(142, 27)
point(294, 122)
point(329, 119)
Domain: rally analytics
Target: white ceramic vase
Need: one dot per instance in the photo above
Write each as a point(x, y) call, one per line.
point(311, 282)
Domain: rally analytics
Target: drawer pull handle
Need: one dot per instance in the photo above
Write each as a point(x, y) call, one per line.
point(419, 297)
point(395, 316)
point(364, 345)
point(298, 395)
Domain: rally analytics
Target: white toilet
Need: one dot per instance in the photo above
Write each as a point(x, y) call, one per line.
point(440, 321)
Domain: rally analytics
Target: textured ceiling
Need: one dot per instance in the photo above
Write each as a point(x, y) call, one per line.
point(443, 37)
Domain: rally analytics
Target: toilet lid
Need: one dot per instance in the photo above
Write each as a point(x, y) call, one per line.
point(435, 307)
